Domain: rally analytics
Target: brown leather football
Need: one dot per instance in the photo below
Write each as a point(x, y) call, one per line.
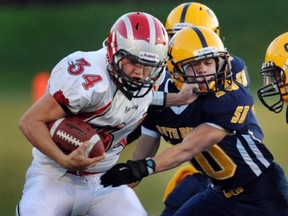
point(70, 133)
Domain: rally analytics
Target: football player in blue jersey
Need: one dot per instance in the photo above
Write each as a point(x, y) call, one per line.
point(214, 133)
point(187, 181)
point(274, 92)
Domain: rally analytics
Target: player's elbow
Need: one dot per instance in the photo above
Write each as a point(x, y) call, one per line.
point(23, 124)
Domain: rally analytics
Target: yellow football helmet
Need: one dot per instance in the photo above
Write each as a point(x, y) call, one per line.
point(191, 14)
point(191, 45)
point(274, 92)
point(188, 15)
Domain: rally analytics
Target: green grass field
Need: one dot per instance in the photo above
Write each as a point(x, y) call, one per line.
point(33, 39)
point(15, 155)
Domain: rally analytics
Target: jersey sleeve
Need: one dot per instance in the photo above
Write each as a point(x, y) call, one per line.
point(68, 83)
point(230, 110)
point(239, 71)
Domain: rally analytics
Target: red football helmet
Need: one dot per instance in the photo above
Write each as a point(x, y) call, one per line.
point(142, 39)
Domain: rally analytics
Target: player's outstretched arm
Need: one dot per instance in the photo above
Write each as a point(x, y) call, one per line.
point(196, 141)
point(185, 96)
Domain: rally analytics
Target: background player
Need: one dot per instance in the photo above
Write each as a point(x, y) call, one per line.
point(109, 89)
point(244, 178)
point(274, 92)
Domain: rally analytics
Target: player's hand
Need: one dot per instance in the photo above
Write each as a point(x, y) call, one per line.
point(183, 97)
point(186, 93)
point(77, 160)
point(125, 173)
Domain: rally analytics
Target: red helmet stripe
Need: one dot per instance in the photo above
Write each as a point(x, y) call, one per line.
point(140, 27)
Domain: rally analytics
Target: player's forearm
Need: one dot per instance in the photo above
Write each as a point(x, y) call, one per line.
point(33, 125)
point(38, 135)
point(185, 96)
point(175, 99)
point(163, 99)
point(200, 138)
point(172, 157)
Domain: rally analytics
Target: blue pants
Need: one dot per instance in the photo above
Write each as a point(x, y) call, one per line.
point(187, 188)
point(261, 197)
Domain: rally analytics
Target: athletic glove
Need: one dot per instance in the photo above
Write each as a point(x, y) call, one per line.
point(125, 173)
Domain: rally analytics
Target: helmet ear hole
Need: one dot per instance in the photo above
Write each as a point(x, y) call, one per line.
point(176, 73)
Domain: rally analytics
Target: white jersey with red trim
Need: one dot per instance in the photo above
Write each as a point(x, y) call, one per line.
point(82, 86)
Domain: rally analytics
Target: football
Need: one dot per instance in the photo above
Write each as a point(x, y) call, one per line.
point(70, 133)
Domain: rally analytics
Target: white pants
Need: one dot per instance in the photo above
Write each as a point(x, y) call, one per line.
point(47, 195)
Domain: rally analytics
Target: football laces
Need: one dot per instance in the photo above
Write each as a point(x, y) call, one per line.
point(68, 138)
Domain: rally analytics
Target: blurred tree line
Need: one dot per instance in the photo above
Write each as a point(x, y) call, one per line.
point(31, 2)
point(59, 2)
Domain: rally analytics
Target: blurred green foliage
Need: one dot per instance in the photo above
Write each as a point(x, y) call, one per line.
point(35, 38)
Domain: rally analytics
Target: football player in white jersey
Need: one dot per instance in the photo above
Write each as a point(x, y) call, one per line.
point(110, 89)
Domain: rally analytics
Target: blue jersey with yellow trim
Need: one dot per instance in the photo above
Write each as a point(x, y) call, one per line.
point(241, 76)
point(239, 70)
point(238, 158)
